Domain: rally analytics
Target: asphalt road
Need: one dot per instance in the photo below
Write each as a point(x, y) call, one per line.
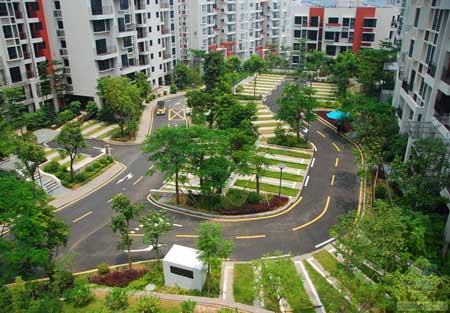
point(298, 231)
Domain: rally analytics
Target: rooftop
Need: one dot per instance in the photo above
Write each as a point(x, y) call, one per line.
point(184, 256)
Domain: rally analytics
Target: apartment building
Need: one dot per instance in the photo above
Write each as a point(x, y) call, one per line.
point(24, 44)
point(422, 89)
point(277, 15)
point(337, 29)
point(99, 38)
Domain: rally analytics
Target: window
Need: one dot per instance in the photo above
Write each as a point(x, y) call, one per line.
point(346, 21)
point(295, 59)
point(369, 37)
point(181, 272)
point(329, 35)
point(297, 33)
point(100, 26)
point(7, 31)
point(312, 35)
point(57, 5)
point(296, 46)
point(314, 21)
point(66, 62)
point(105, 65)
point(60, 25)
point(344, 35)
point(370, 22)
point(127, 42)
point(63, 44)
point(333, 20)
point(124, 5)
point(3, 9)
point(16, 76)
point(330, 50)
point(298, 20)
point(411, 48)
point(12, 53)
point(416, 18)
point(100, 45)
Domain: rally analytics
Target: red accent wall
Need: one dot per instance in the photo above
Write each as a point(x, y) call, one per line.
point(227, 45)
point(320, 12)
point(361, 13)
point(47, 51)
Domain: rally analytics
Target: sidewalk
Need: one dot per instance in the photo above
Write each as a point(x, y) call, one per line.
point(67, 199)
point(145, 126)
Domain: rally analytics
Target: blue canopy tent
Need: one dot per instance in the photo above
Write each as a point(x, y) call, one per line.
point(337, 115)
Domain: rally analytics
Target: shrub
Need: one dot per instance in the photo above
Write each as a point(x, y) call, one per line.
point(249, 208)
point(165, 93)
point(235, 198)
point(106, 114)
point(5, 299)
point(79, 296)
point(81, 177)
point(44, 305)
point(253, 198)
point(148, 305)
point(62, 280)
point(381, 192)
point(154, 276)
point(188, 306)
point(38, 119)
point(64, 117)
point(173, 89)
point(75, 107)
point(52, 167)
point(116, 278)
point(103, 268)
point(91, 109)
point(116, 299)
point(247, 97)
point(20, 295)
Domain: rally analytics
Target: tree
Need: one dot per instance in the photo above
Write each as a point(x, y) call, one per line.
point(183, 75)
point(250, 162)
point(167, 151)
point(125, 212)
point(214, 173)
point(31, 155)
point(156, 224)
point(273, 60)
point(345, 67)
point(213, 70)
point(254, 64)
point(422, 177)
point(142, 85)
point(233, 64)
point(7, 138)
point(12, 107)
point(315, 60)
point(71, 141)
point(201, 103)
point(295, 102)
point(212, 246)
point(229, 113)
point(122, 97)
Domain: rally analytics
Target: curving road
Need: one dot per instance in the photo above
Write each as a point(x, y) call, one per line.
point(299, 230)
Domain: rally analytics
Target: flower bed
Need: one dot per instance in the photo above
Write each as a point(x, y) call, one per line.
point(117, 278)
point(251, 208)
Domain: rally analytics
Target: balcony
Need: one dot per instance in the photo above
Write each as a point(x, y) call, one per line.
point(127, 28)
point(63, 52)
point(446, 75)
point(431, 70)
point(60, 33)
point(57, 13)
point(105, 53)
point(100, 11)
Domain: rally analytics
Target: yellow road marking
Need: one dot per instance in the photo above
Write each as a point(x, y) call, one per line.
point(336, 146)
point(320, 133)
point(332, 180)
point(318, 217)
point(110, 200)
point(336, 163)
point(82, 216)
point(137, 180)
point(186, 236)
point(181, 114)
point(152, 201)
point(251, 237)
point(136, 235)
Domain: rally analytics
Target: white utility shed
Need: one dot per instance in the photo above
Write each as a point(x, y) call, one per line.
point(183, 269)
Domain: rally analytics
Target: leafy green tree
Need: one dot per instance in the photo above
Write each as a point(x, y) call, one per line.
point(183, 75)
point(240, 140)
point(31, 155)
point(315, 60)
point(213, 70)
point(295, 102)
point(122, 97)
point(167, 150)
point(201, 103)
point(156, 224)
point(125, 212)
point(12, 107)
point(213, 247)
point(229, 113)
point(422, 177)
point(214, 172)
point(233, 64)
point(346, 67)
point(254, 65)
point(7, 138)
point(275, 61)
point(142, 85)
point(250, 162)
point(71, 141)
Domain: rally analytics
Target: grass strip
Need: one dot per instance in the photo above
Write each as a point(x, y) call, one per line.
point(96, 130)
point(265, 118)
point(270, 124)
point(88, 124)
point(77, 159)
point(111, 133)
point(244, 287)
point(294, 154)
point(286, 176)
point(332, 299)
point(288, 164)
point(266, 131)
point(266, 187)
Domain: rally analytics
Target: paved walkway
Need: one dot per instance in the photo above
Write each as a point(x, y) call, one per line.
point(146, 122)
point(92, 186)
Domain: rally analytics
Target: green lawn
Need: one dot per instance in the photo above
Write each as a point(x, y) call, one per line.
point(270, 124)
point(50, 151)
point(294, 154)
point(266, 187)
point(268, 118)
point(332, 299)
point(259, 112)
point(88, 124)
point(266, 131)
point(77, 159)
point(286, 176)
point(288, 164)
point(111, 133)
point(244, 286)
point(96, 130)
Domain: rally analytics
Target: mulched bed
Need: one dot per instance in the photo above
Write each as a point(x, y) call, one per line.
point(274, 203)
point(117, 278)
point(323, 114)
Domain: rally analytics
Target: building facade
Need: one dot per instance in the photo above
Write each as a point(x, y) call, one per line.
point(99, 38)
point(24, 46)
point(339, 29)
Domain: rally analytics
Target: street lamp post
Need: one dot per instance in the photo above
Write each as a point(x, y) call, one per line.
point(281, 166)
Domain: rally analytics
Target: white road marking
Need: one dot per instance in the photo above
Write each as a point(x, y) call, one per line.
point(307, 181)
point(177, 225)
point(136, 228)
point(313, 161)
point(324, 243)
point(127, 177)
point(149, 248)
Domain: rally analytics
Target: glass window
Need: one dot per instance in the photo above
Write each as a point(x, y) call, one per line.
point(370, 22)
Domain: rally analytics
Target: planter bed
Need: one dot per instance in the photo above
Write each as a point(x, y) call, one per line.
point(294, 154)
point(267, 187)
point(274, 203)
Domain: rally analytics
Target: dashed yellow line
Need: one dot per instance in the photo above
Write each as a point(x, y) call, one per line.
point(320, 133)
point(251, 237)
point(186, 236)
point(136, 235)
point(82, 216)
point(318, 217)
point(138, 180)
point(336, 146)
point(336, 163)
point(333, 177)
point(110, 200)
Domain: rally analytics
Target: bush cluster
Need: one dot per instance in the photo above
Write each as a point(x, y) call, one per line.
point(103, 268)
point(116, 300)
point(247, 97)
point(79, 296)
point(282, 139)
point(46, 116)
point(173, 89)
point(154, 276)
point(117, 278)
point(259, 207)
